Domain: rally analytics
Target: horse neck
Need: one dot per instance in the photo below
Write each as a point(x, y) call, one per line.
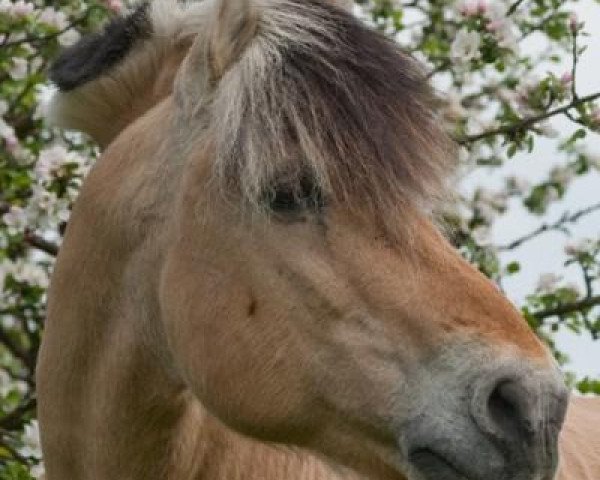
point(133, 415)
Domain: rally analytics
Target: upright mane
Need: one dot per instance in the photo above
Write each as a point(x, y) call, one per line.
point(312, 99)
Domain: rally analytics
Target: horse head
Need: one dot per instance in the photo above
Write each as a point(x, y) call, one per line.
point(305, 295)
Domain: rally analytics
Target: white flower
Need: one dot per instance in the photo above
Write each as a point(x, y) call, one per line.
point(18, 70)
point(44, 95)
point(507, 95)
point(50, 161)
point(6, 6)
point(577, 248)
point(37, 471)
point(547, 130)
point(22, 8)
point(465, 47)
point(503, 28)
point(495, 11)
point(3, 107)
point(31, 441)
point(31, 274)
point(5, 380)
point(548, 282)
point(562, 175)
point(46, 209)
point(482, 236)
point(69, 37)
point(468, 8)
point(36, 64)
point(7, 133)
point(495, 199)
point(526, 86)
point(454, 107)
point(16, 219)
point(552, 194)
point(53, 18)
point(7, 384)
point(473, 126)
point(17, 36)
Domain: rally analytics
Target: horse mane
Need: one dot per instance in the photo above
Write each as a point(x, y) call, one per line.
point(313, 95)
point(105, 75)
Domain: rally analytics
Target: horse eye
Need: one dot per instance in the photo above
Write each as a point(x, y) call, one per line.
point(285, 200)
point(290, 199)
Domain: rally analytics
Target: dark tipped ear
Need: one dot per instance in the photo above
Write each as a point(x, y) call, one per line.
point(96, 54)
point(235, 25)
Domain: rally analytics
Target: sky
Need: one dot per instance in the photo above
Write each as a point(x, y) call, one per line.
point(546, 253)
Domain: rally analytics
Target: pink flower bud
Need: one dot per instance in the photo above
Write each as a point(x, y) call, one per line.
point(566, 78)
point(469, 8)
point(115, 5)
point(12, 143)
point(574, 22)
point(494, 25)
point(482, 7)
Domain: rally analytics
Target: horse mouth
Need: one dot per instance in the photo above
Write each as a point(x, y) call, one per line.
point(434, 466)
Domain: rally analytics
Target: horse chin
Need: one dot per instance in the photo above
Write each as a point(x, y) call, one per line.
point(445, 459)
point(434, 466)
point(428, 464)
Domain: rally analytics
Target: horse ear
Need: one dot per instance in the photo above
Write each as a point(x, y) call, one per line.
point(234, 25)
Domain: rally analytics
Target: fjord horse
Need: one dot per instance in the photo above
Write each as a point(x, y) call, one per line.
point(251, 286)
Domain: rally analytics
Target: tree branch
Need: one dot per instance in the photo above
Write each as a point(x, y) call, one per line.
point(547, 227)
point(526, 123)
point(513, 8)
point(574, 67)
point(41, 244)
point(568, 308)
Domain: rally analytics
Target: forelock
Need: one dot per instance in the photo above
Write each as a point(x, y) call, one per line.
point(317, 94)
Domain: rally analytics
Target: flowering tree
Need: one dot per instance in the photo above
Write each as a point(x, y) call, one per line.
point(500, 99)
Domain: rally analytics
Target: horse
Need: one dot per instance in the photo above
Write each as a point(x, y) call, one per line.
point(253, 285)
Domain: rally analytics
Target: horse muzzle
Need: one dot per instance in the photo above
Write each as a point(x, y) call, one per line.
point(505, 427)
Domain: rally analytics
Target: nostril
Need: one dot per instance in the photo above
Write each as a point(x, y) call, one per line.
point(509, 411)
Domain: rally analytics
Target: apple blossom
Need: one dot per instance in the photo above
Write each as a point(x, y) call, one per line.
point(19, 68)
point(68, 38)
point(465, 47)
point(53, 18)
point(547, 282)
point(22, 8)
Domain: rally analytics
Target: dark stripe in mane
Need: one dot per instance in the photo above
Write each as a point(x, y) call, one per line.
point(96, 54)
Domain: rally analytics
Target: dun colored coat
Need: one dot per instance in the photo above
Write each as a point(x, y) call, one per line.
point(251, 286)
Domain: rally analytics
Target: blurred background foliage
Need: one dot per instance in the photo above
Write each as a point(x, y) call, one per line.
point(500, 98)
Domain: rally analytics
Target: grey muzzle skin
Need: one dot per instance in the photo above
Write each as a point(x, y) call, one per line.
point(502, 425)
